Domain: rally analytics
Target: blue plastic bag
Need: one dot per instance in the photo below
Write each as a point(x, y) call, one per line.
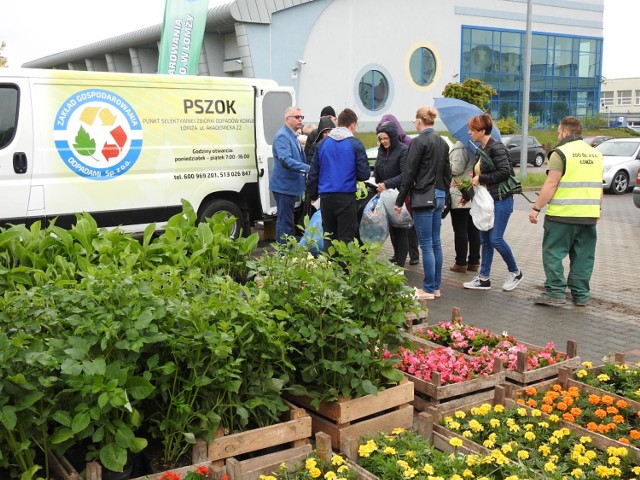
point(312, 236)
point(374, 226)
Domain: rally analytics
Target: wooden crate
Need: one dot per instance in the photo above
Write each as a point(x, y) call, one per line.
point(521, 375)
point(428, 393)
point(565, 380)
point(355, 417)
point(417, 320)
point(293, 458)
point(61, 468)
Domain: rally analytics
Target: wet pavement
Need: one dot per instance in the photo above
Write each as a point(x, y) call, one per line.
point(609, 323)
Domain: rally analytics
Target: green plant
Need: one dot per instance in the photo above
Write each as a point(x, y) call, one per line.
point(507, 125)
point(472, 91)
point(618, 378)
point(340, 309)
point(335, 468)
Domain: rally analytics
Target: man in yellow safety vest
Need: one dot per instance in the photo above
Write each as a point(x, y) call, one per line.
point(573, 193)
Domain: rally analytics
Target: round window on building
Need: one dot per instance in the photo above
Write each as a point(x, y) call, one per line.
point(422, 66)
point(373, 90)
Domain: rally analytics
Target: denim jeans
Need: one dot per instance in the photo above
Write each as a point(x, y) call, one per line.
point(427, 224)
point(284, 223)
point(494, 238)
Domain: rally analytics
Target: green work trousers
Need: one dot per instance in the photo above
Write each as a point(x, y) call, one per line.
point(579, 243)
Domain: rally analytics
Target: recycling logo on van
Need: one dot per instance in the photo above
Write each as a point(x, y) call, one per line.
point(98, 134)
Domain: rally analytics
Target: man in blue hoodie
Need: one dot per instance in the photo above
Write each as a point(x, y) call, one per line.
point(339, 162)
point(287, 180)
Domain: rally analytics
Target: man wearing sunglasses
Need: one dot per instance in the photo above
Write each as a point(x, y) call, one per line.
point(290, 168)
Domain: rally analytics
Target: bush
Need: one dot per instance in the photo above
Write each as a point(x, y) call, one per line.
point(507, 125)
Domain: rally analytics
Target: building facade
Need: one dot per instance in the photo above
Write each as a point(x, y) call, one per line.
point(379, 57)
point(620, 102)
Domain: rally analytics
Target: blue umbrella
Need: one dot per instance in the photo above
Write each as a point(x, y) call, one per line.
point(455, 114)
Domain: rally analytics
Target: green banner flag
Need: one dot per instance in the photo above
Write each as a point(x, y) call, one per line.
point(182, 34)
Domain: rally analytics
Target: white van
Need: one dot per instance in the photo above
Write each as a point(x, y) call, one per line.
point(127, 148)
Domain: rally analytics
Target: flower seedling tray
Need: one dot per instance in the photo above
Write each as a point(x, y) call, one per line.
point(353, 417)
point(292, 458)
point(521, 375)
point(429, 393)
point(599, 440)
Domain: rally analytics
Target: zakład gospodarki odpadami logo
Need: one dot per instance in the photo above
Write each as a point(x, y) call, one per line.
point(98, 134)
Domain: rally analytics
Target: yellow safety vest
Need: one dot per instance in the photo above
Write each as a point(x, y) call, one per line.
point(580, 188)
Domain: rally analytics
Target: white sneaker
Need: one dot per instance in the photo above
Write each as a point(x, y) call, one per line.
point(512, 281)
point(478, 284)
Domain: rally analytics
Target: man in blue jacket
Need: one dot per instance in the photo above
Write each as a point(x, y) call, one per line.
point(290, 167)
point(339, 162)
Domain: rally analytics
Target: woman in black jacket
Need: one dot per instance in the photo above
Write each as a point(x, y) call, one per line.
point(491, 175)
point(388, 170)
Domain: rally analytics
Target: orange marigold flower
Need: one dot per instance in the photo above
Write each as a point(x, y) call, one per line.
point(520, 401)
point(568, 417)
point(531, 391)
point(561, 406)
point(573, 392)
point(624, 440)
point(622, 404)
point(548, 400)
point(635, 434)
point(603, 428)
point(594, 399)
point(568, 400)
point(600, 413)
point(607, 399)
point(592, 427)
point(532, 403)
point(618, 419)
point(612, 426)
point(576, 412)
point(612, 410)
point(546, 409)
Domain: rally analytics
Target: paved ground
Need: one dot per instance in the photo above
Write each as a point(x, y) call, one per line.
point(609, 323)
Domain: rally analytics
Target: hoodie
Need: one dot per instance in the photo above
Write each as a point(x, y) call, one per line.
point(402, 136)
point(390, 164)
point(339, 162)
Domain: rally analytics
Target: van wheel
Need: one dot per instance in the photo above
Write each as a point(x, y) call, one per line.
point(230, 209)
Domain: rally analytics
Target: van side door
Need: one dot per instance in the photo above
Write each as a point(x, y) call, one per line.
point(16, 152)
point(271, 103)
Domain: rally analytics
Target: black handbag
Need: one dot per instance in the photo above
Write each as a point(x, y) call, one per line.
point(424, 198)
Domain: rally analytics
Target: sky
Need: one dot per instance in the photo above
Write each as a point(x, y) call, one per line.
point(35, 28)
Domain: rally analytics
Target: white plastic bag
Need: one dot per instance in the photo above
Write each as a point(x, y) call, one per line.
point(482, 209)
point(399, 220)
point(374, 226)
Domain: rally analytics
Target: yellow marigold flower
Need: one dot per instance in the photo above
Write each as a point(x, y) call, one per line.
point(529, 426)
point(636, 470)
point(410, 454)
point(315, 472)
point(402, 464)
point(428, 469)
point(455, 442)
point(550, 467)
point(310, 463)
point(522, 412)
point(337, 460)
point(583, 460)
point(476, 426)
point(488, 443)
point(586, 439)
point(512, 477)
point(587, 364)
point(545, 450)
point(456, 477)
point(453, 425)
point(554, 440)
point(494, 422)
point(590, 454)
point(460, 414)
point(523, 454)
point(577, 472)
point(581, 373)
point(554, 418)
point(330, 476)
point(410, 473)
point(485, 408)
point(467, 434)
point(514, 428)
point(398, 430)
point(603, 377)
point(530, 436)
point(389, 450)
point(506, 448)
point(543, 424)
point(536, 413)
point(466, 473)
point(343, 468)
point(613, 461)
point(446, 420)
point(621, 366)
point(510, 421)
point(267, 477)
